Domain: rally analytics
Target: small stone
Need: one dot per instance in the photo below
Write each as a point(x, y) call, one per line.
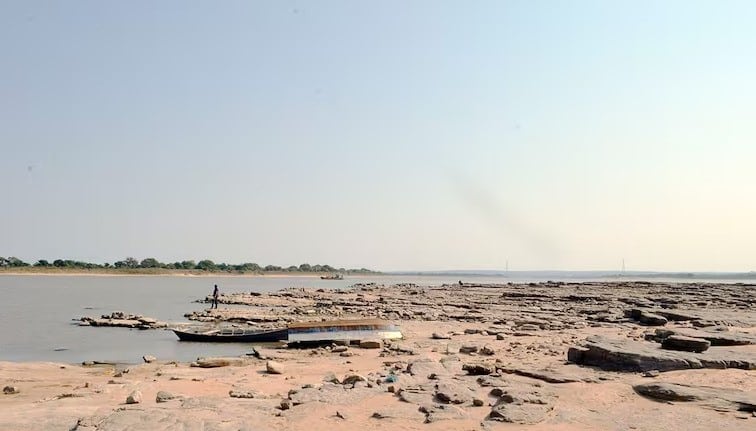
point(478, 369)
point(339, 349)
point(331, 378)
point(487, 350)
point(477, 402)
point(371, 344)
point(651, 373)
point(10, 390)
point(285, 405)
point(241, 394)
point(468, 348)
point(274, 367)
point(134, 397)
point(163, 396)
point(351, 379)
point(340, 415)
point(149, 359)
point(438, 336)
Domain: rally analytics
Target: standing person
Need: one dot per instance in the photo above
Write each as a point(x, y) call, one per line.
point(215, 298)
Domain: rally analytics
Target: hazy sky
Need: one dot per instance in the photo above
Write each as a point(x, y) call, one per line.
point(393, 135)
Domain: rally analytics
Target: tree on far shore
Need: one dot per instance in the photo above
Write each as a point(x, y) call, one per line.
point(150, 262)
point(206, 265)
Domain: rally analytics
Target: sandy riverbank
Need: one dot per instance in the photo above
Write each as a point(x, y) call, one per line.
point(518, 336)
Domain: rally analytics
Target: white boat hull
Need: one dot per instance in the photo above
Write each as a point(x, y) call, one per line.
point(316, 336)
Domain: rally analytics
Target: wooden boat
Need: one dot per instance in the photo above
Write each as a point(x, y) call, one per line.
point(343, 330)
point(332, 277)
point(231, 335)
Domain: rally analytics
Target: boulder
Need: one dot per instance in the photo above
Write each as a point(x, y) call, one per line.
point(273, 367)
point(331, 378)
point(439, 336)
point(688, 344)
point(134, 398)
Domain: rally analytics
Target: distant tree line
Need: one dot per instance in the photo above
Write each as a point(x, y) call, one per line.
point(152, 263)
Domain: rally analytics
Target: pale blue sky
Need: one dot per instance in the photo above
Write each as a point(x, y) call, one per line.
point(394, 135)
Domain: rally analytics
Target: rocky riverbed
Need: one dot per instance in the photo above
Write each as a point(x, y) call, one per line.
point(538, 356)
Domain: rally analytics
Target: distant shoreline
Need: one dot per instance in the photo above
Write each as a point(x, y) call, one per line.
point(161, 272)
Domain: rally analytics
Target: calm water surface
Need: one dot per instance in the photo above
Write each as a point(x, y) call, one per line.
point(36, 312)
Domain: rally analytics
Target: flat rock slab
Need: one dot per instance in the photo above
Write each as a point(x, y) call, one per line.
point(443, 412)
point(219, 362)
point(626, 355)
point(452, 392)
point(200, 417)
point(718, 338)
point(426, 367)
point(525, 407)
point(329, 394)
point(548, 376)
point(715, 398)
point(687, 344)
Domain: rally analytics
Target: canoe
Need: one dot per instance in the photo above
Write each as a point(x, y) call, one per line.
point(232, 335)
point(343, 330)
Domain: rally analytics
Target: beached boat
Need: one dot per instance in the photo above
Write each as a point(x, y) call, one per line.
point(343, 330)
point(332, 277)
point(231, 335)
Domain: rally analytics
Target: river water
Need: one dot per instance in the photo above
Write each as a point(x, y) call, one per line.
point(37, 312)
